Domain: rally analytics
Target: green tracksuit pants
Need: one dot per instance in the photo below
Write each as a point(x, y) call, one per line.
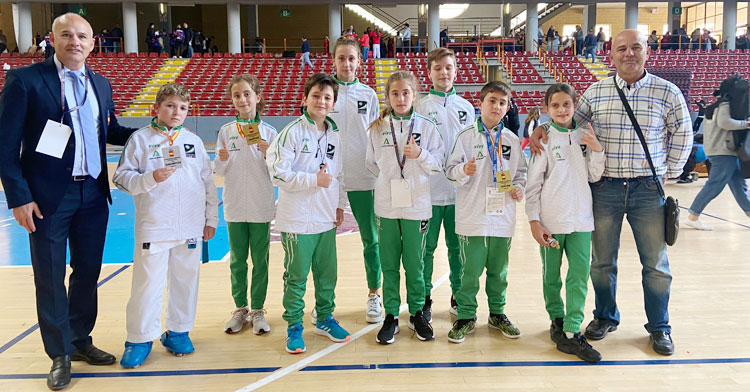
point(577, 248)
point(305, 252)
point(363, 208)
point(478, 253)
point(447, 216)
point(402, 240)
point(255, 238)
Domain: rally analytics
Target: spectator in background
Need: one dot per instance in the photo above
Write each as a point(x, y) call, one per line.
point(3, 42)
point(326, 44)
point(178, 36)
point(189, 36)
point(399, 43)
point(305, 54)
point(600, 39)
point(364, 42)
point(579, 36)
point(550, 38)
point(375, 37)
point(511, 119)
point(695, 38)
point(666, 41)
point(556, 42)
point(116, 34)
point(443, 37)
point(590, 44)
point(653, 40)
point(407, 38)
point(151, 39)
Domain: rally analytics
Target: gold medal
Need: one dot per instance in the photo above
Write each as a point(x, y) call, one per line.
point(252, 133)
point(504, 181)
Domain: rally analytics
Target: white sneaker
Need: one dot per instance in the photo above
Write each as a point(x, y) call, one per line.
point(240, 316)
point(258, 320)
point(314, 317)
point(698, 225)
point(374, 309)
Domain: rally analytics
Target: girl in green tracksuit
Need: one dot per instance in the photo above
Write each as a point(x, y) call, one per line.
point(404, 150)
point(560, 211)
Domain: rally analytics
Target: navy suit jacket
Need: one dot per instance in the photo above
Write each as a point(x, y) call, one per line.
point(30, 97)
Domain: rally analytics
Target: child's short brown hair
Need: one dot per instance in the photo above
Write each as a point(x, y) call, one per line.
point(560, 88)
point(439, 53)
point(322, 80)
point(172, 89)
point(495, 87)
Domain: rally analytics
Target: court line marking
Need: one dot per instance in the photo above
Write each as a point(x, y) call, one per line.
point(388, 366)
point(320, 354)
point(34, 327)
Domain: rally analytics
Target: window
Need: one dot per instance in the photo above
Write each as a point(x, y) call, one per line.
point(643, 29)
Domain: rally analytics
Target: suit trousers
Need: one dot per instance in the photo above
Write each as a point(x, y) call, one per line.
point(80, 223)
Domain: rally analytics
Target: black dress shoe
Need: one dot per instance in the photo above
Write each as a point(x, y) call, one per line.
point(599, 328)
point(93, 356)
point(59, 374)
point(662, 343)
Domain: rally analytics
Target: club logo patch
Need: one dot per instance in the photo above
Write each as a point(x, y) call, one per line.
point(423, 226)
point(506, 152)
point(362, 107)
point(330, 151)
point(462, 116)
point(418, 138)
point(189, 151)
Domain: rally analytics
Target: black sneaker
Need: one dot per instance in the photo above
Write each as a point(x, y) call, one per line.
point(387, 332)
point(427, 309)
point(662, 343)
point(420, 325)
point(556, 330)
point(599, 328)
point(454, 307)
point(578, 346)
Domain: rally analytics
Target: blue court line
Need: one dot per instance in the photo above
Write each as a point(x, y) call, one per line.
point(719, 218)
point(386, 366)
point(34, 327)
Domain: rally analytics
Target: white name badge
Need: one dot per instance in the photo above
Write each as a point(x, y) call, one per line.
point(172, 157)
point(54, 139)
point(494, 201)
point(400, 193)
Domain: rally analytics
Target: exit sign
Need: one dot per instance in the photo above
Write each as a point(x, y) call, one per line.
point(676, 10)
point(81, 11)
point(285, 13)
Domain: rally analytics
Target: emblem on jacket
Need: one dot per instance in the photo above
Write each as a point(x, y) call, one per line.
point(362, 107)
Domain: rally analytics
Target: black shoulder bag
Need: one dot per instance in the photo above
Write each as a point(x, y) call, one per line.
point(671, 206)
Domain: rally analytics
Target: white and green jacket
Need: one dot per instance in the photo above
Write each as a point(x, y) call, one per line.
point(182, 205)
point(471, 219)
point(356, 108)
point(381, 160)
point(294, 159)
point(248, 193)
point(451, 114)
point(558, 193)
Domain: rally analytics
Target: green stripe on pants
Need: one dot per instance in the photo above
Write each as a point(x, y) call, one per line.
point(256, 236)
point(446, 215)
point(363, 208)
point(402, 239)
point(577, 247)
point(305, 252)
point(478, 253)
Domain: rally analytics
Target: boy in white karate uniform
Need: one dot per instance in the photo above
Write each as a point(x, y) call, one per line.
point(167, 170)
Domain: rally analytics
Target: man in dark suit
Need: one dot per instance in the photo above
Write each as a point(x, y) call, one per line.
point(61, 200)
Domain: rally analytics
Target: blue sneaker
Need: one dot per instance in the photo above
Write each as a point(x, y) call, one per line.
point(294, 342)
point(331, 328)
point(135, 354)
point(178, 343)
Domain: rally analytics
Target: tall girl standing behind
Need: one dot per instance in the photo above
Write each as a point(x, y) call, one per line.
point(248, 201)
point(404, 150)
point(356, 108)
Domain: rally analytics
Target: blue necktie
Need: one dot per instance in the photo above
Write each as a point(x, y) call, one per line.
point(89, 133)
